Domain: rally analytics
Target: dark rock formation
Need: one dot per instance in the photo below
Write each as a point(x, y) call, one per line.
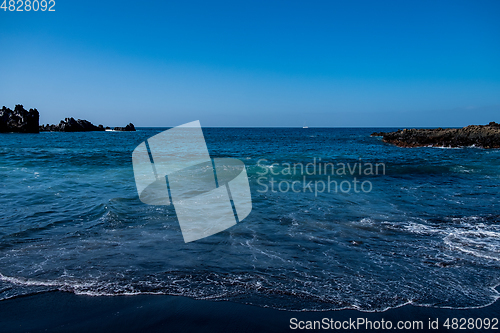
point(19, 120)
point(22, 121)
point(484, 136)
point(72, 125)
point(129, 128)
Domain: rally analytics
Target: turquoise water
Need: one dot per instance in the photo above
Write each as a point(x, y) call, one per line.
point(426, 233)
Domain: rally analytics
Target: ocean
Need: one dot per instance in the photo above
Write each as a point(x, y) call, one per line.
point(397, 226)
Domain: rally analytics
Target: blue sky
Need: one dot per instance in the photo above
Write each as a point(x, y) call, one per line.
point(256, 63)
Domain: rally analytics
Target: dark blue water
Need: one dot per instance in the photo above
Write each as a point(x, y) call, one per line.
point(426, 233)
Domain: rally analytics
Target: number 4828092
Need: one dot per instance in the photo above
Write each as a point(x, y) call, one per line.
point(28, 5)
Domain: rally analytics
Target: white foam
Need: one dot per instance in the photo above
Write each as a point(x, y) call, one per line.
point(469, 235)
point(480, 243)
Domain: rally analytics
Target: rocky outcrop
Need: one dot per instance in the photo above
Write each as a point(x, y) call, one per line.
point(19, 120)
point(72, 125)
point(22, 121)
point(484, 136)
point(129, 128)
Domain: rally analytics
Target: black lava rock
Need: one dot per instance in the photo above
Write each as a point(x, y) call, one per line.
point(129, 128)
point(483, 136)
point(72, 125)
point(19, 120)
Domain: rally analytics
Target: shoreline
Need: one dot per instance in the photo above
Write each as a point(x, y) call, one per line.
point(63, 311)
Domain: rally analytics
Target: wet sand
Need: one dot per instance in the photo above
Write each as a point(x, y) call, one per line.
point(66, 312)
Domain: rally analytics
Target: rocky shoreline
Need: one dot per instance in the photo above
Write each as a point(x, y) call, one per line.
point(20, 120)
point(482, 136)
